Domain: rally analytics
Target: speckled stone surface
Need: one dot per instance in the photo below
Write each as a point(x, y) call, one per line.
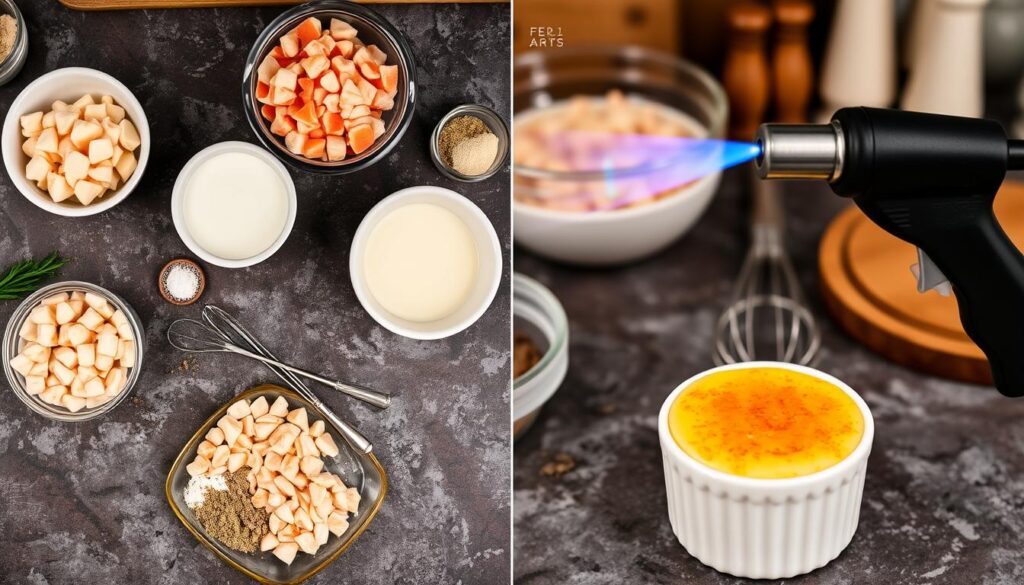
point(84, 503)
point(944, 497)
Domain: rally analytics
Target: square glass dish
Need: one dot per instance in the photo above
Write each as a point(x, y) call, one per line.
point(356, 469)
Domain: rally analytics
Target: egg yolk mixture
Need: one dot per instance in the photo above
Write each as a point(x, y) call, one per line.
point(766, 423)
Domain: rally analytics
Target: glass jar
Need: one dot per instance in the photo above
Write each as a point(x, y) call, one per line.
point(494, 123)
point(13, 344)
point(537, 313)
point(10, 66)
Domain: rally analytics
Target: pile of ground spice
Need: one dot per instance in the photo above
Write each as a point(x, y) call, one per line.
point(468, 145)
point(8, 35)
point(455, 131)
point(230, 517)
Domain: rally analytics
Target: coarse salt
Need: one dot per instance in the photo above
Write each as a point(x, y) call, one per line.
point(182, 282)
point(195, 491)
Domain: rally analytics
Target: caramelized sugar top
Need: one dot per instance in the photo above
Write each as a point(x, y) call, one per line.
point(767, 423)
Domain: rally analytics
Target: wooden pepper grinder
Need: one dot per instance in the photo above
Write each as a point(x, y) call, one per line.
point(792, 69)
point(745, 74)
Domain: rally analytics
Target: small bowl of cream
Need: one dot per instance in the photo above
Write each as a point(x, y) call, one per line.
point(425, 262)
point(233, 204)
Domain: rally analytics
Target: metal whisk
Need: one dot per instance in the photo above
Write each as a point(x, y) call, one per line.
point(197, 337)
point(232, 331)
point(767, 307)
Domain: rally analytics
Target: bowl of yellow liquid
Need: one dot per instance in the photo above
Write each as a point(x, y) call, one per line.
point(764, 467)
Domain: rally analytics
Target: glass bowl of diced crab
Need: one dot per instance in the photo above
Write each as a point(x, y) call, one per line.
point(265, 486)
point(329, 87)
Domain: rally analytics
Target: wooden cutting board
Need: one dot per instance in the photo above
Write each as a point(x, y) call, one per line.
point(144, 4)
point(869, 289)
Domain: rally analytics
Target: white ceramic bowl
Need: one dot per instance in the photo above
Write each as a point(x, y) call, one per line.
point(178, 201)
point(764, 528)
point(488, 257)
point(69, 84)
point(542, 79)
point(614, 236)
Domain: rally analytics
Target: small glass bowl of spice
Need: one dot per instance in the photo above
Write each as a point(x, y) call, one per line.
point(13, 40)
point(471, 143)
point(541, 350)
point(181, 282)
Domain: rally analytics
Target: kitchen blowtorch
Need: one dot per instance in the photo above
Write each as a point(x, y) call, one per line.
point(929, 180)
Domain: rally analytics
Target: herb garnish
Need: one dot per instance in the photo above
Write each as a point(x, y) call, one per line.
point(25, 276)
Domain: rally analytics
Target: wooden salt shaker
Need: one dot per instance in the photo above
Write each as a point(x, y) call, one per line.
point(745, 75)
point(860, 60)
point(946, 76)
point(792, 69)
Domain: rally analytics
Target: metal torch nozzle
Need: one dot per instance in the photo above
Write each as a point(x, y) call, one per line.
point(800, 151)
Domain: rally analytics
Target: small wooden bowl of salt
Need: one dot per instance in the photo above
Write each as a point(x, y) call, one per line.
point(181, 282)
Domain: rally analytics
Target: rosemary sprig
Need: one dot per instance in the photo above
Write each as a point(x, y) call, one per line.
point(25, 276)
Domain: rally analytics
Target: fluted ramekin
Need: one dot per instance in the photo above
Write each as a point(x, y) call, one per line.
point(764, 528)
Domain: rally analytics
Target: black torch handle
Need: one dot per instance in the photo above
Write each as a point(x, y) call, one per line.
point(983, 266)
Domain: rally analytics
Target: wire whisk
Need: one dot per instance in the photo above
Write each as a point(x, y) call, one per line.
point(198, 337)
point(231, 330)
point(767, 317)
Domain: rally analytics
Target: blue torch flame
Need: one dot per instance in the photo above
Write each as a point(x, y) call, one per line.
point(639, 167)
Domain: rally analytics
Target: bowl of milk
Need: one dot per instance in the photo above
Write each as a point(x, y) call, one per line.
point(425, 262)
point(233, 204)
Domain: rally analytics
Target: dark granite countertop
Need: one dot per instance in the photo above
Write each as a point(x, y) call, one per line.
point(944, 497)
point(84, 503)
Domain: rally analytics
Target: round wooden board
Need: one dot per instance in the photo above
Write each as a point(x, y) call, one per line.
point(869, 289)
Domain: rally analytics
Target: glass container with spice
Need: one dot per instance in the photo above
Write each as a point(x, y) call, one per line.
point(13, 40)
point(541, 327)
point(469, 144)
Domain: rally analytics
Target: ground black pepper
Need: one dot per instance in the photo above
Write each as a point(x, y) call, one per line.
point(455, 131)
point(230, 517)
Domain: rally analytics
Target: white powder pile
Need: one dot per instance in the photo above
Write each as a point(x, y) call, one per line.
point(182, 282)
point(195, 491)
point(475, 155)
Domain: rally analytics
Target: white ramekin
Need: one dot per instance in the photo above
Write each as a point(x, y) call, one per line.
point(69, 84)
point(763, 528)
point(488, 263)
point(178, 201)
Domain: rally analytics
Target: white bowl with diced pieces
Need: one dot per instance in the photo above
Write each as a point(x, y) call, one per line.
point(75, 142)
point(73, 351)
